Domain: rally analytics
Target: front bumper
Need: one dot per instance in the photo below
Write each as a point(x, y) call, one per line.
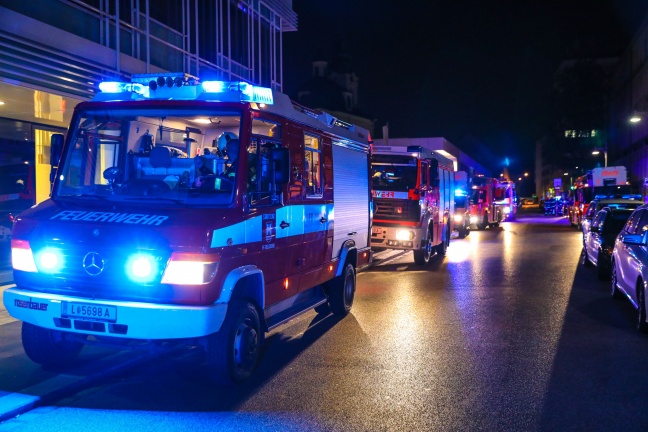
point(385, 237)
point(133, 320)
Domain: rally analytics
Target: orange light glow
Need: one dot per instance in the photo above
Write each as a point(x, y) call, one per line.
point(286, 283)
point(330, 268)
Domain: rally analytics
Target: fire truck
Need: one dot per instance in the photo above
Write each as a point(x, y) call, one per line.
point(506, 199)
point(414, 203)
point(192, 213)
point(484, 210)
point(462, 208)
point(608, 182)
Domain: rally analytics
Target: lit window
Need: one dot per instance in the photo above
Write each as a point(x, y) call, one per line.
point(312, 165)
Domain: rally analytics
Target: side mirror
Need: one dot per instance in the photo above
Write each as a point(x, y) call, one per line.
point(280, 158)
point(634, 239)
point(56, 148)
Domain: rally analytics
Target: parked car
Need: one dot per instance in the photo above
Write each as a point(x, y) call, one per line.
point(615, 203)
point(599, 240)
point(629, 259)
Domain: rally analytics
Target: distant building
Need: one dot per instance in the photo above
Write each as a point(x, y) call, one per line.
point(462, 162)
point(334, 88)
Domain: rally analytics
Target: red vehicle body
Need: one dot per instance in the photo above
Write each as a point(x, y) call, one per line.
point(607, 182)
point(143, 241)
point(506, 199)
point(484, 211)
point(413, 190)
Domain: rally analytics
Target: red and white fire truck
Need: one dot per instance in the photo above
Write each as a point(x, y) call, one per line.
point(506, 199)
point(413, 189)
point(484, 210)
point(607, 182)
point(199, 213)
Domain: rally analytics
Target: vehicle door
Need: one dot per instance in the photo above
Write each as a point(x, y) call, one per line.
point(626, 253)
point(593, 237)
point(589, 216)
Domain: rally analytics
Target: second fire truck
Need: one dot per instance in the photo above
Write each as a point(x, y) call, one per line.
point(484, 211)
point(413, 189)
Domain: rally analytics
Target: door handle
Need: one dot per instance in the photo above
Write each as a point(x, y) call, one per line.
point(352, 233)
point(323, 220)
point(284, 224)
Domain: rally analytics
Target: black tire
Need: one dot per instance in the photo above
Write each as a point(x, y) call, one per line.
point(422, 256)
point(484, 222)
point(341, 291)
point(233, 352)
point(49, 347)
point(614, 292)
point(642, 326)
point(442, 247)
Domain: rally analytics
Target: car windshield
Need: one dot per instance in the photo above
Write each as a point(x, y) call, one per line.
point(176, 156)
point(616, 221)
point(393, 173)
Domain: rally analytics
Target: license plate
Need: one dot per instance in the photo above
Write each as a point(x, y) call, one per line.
point(376, 230)
point(95, 312)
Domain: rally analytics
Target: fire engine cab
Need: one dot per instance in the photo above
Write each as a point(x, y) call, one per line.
point(200, 213)
point(413, 190)
point(484, 210)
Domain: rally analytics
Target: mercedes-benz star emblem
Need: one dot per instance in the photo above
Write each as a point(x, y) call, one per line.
point(93, 264)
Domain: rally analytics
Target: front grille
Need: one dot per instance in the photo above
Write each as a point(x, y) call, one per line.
point(397, 210)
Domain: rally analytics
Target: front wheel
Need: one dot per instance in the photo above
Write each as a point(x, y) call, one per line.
point(422, 256)
point(642, 326)
point(233, 352)
point(49, 347)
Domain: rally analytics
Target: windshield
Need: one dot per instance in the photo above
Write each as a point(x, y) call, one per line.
point(393, 173)
point(181, 156)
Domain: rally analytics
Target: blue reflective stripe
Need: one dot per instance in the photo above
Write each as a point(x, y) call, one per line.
point(303, 219)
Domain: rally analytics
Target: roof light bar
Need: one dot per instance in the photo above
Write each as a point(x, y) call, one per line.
point(119, 87)
point(248, 92)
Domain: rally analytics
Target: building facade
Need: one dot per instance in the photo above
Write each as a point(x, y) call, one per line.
point(53, 54)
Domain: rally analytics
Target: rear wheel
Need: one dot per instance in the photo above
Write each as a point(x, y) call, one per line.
point(422, 256)
point(341, 291)
point(641, 308)
point(233, 352)
point(615, 290)
point(49, 347)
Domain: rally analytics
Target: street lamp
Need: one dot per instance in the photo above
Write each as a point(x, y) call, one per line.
point(597, 151)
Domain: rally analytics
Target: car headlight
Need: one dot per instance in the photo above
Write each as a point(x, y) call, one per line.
point(190, 269)
point(507, 210)
point(22, 257)
point(403, 234)
point(473, 219)
point(458, 217)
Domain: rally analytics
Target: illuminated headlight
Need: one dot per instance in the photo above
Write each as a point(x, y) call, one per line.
point(190, 269)
point(404, 235)
point(458, 217)
point(142, 267)
point(507, 210)
point(473, 219)
point(22, 257)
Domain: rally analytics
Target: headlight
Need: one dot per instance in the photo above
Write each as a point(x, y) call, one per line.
point(22, 257)
point(404, 235)
point(473, 219)
point(190, 269)
point(458, 217)
point(507, 210)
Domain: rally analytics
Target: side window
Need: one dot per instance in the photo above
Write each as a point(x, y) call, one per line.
point(633, 221)
point(265, 136)
point(313, 165)
point(424, 174)
point(599, 219)
point(642, 226)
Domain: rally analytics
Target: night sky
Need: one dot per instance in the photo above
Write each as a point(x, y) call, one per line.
point(464, 70)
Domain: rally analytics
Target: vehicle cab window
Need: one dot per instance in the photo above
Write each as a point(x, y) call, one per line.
point(599, 219)
point(591, 210)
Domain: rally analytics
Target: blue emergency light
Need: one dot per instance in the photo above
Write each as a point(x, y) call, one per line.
point(178, 86)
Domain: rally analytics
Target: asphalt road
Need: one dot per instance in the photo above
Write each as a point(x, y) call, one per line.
point(507, 332)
